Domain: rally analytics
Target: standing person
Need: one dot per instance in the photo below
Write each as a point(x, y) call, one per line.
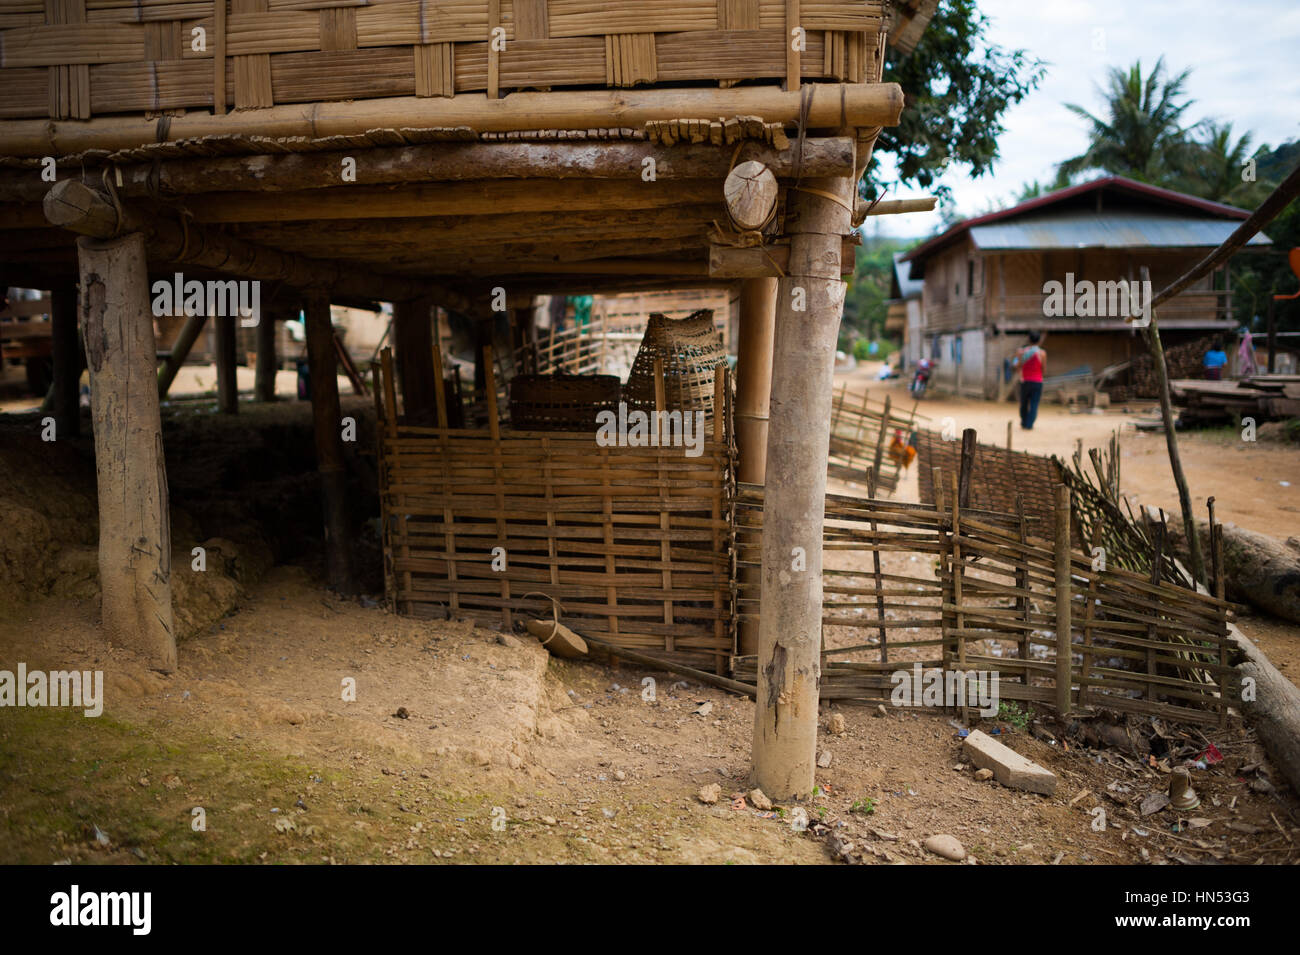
point(1246, 363)
point(1031, 360)
point(1215, 360)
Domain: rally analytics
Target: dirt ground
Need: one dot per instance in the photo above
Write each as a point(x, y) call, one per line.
point(465, 744)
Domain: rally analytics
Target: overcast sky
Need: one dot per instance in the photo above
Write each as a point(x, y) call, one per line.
point(1245, 60)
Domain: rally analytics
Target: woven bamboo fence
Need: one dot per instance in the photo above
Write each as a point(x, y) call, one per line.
point(633, 542)
point(861, 431)
point(998, 477)
point(78, 58)
point(989, 603)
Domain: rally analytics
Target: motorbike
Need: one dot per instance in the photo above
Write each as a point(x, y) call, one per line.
point(921, 378)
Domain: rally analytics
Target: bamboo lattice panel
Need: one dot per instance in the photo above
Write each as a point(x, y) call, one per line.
point(1136, 646)
point(997, 477)
point(633, 542)
point(78, 58)
point(861, 431)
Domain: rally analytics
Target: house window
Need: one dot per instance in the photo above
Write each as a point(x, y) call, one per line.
point(970, 276)
point(955, 349)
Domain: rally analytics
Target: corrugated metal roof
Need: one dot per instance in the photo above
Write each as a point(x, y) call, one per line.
point(1106, 230)
point(908, 287)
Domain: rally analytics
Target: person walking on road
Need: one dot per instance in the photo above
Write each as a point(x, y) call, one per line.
point(1030, 359)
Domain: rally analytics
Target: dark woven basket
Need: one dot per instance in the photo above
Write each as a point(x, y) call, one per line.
point(561, 402)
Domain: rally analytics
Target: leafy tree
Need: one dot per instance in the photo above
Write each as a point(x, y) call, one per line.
point(865, 302)
point(1258, 275)
point(957, 86)
point(1141, 135)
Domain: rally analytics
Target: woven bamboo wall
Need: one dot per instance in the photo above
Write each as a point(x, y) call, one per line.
point(78, 58)
point(633, 542)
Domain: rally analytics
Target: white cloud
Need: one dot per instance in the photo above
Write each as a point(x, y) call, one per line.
point(1243, 61)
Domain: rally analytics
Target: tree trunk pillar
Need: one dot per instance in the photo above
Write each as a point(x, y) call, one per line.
point(68, 360)
point(268, 362)
point(227, 373)
point(327, 421)
point(413, 335)
point(134, 524)
point(753, 393)
point(810, 301)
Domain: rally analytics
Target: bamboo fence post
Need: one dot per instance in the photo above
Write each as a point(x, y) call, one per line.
point(1089, 609)
point(1022, 584)
point(1220, 590)
point(1063, 623)
point(498, 480)
point(721, 433)
point(1171, 441)
point(1153, 631)
point(957, 565)
point(401, 597)
point(875, 568)
point(665, 519)
point(968, 439)
point(880, 439)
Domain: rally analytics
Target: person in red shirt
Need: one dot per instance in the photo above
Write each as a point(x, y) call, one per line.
point(1031, 360)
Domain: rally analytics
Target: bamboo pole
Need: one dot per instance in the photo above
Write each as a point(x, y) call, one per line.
point(753, 399)
point(451, 162)
point(1171, 441)
point(855, 104)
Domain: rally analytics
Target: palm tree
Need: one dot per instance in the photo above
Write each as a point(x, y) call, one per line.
point(1142, 135)
point(1214, 166)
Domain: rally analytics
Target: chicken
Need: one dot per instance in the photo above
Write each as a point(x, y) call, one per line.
point(901, 452)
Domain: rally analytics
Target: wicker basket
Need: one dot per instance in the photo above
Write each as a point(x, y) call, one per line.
point(561, 402)
point(691, 349)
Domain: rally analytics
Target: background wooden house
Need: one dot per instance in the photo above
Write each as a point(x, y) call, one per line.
point(984, 279)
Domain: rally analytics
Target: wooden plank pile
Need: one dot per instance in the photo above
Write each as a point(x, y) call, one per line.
point(1262, 397)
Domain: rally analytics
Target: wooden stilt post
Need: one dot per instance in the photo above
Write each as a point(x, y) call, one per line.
point(68, 360)
point(413, 335)
point(327, 416)
point(810, 301)
point(180, 351)
point(268, 363)
point(1063, 623)
point(227, 376)
point(134, 524)
point(753, 394)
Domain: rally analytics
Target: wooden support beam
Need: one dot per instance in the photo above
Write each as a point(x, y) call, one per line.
point(135, 549)
point(479, 197)
point(451, 162)
point(189, 334)
point(327, 425)
point(769, 261)
point(751, 192)
point(69, 360)
point(858, 105)
point(268, 363)
point(810, 300)
point(227, 366)
point(413, 336)
point(79, 208)
point(753, 394)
